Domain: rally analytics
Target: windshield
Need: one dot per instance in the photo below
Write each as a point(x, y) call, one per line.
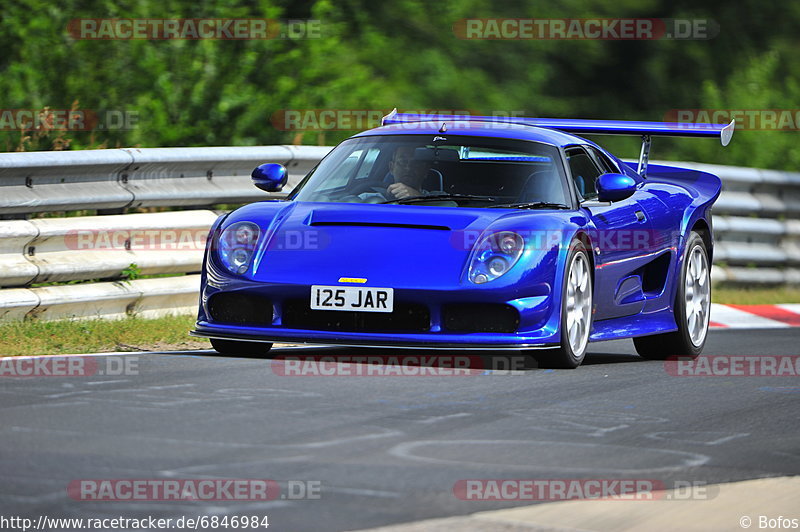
point(443, 170)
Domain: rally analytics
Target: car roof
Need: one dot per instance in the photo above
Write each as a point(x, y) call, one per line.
point(479, 129)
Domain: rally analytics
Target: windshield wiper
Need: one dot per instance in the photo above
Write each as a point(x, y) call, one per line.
point(531, 205)
point(440, 197)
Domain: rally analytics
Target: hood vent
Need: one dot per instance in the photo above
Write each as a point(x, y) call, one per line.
point(381, 224)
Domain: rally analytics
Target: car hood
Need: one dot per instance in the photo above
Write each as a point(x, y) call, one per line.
point(402, 246)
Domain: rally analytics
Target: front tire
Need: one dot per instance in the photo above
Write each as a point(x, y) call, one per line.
point(692, 309)
point(577, 305)
point(240, 349)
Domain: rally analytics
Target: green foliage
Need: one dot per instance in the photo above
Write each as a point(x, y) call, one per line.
point(764, 82)
point(380, 55)
point(131, 273)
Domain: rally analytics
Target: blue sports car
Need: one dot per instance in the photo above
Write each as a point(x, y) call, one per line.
point(438, 231)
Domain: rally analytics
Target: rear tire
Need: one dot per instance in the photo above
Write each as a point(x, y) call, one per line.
point(240, 349)
point(692, 309)
point(577, 306)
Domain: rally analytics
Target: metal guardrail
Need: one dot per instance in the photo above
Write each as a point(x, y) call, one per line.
point(753, 191)
point(756, 224)
point(148, 177)
point(146, 298)
point(44, 250)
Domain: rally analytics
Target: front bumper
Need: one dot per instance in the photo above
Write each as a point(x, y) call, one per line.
point(476, 341)
point(537, 324)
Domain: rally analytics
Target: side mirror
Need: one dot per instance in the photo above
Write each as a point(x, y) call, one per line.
point(270, 177)
point(615, 187)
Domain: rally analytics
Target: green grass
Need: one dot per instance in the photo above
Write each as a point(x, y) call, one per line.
point(754, 296)
point(132, 334)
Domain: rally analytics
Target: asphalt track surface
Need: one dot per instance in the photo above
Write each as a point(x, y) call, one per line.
point(388, 449)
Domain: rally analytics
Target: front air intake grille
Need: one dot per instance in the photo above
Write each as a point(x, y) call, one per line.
point(480, 317)
point(407, 317)
point(240, 308)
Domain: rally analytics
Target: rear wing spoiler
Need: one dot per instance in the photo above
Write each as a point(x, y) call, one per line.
point(587, 127)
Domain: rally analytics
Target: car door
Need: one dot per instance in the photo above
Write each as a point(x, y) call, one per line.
point(620, 229)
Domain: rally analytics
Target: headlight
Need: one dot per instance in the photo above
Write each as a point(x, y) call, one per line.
point(494, 255)
point(236, 246)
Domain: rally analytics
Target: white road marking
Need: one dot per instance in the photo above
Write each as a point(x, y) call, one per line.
point(436, 419)
point(406, 451)
point(366, 492)
point(328, 443)
point(739, 319)
point(702, 438)
point(791, 307)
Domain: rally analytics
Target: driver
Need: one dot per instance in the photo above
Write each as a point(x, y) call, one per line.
point(404, 179)
point(407, 175)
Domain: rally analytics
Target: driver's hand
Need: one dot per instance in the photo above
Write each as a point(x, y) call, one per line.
point(401, 190)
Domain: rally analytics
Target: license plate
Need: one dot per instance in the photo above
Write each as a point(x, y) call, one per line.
point(360, 298)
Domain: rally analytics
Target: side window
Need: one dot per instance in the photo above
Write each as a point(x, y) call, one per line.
point(607, 165)
point(584, 172)
point(367, 163)
point(357, 161)
point(341, 175)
